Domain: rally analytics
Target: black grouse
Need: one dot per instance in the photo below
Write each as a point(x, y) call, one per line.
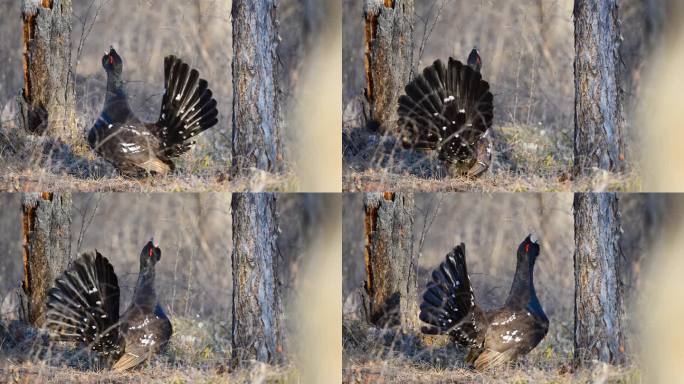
point(494, 337)
point(83, 307)
point(136, 148)
point(450, 109)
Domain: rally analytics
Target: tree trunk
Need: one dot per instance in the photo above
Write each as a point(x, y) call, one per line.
point(598, 289)
point(257, 333)
point(599, 117)
point(257, 117)
point(47, 100)
point(389, 43)
point(390, 286)
point(46, 223)
point(655, 18)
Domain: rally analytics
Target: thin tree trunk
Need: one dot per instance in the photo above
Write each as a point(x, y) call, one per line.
point(46, 223)
point(257, 324)
point(257, 119)
point(599, 334)
point(599, 117)
point(47, 100)
point(655, 17)
point(389, 26)
point(390, 285)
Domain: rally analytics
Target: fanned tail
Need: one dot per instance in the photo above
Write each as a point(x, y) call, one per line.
point(188, 107)
point(448, 303)
point(83, 306)
point(448, 109)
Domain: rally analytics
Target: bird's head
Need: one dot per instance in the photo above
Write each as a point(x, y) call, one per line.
point(150, 254)
point(112, 62)
point(528, 249)
point(474, 60)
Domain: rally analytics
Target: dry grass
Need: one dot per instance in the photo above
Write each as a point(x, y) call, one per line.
point(34, 164)
point(382, 180)
point(198, 352)
point(526, 158)
point(377, 356)
point(29, 373)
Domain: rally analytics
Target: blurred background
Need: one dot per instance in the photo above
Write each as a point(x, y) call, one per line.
point(199, 32)
point(194, 277)
point(527, 48)
point(492, 226)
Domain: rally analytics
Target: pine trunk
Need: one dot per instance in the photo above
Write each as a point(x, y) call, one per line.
point(390, 285)
point(257, 324)
point(599, 117)
point(389, 26)
point(257, 117)
point(47, 102)
point(46, 223)
point(598, 290)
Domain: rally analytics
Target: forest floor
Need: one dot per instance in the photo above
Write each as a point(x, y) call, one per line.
point(372, 355)
point(199, 351)
point(526, 158)
point(31, 163)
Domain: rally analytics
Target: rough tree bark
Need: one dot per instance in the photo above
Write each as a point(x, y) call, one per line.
point(257, 324)
point(389, 43)
point(598, 290)
point(390, 284)
point(599, 119)
point(47, 101)
point(257, 120)
point(46, 223)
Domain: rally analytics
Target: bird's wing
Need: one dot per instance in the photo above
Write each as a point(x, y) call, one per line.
point(146, 334)
point(131, 144)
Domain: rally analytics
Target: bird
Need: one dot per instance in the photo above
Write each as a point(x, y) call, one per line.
point(83, 307)
point(136, 148)
point(494, 337)
point(449, 109)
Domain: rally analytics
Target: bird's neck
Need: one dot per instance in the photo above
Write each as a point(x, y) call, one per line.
point(115, 87)
point(116, 95)
point(145, 296)
point(522, 290)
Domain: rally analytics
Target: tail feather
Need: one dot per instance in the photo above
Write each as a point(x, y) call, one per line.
point(446, 108)
point(84, 305)
point(188, 107)
point(448, 303)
